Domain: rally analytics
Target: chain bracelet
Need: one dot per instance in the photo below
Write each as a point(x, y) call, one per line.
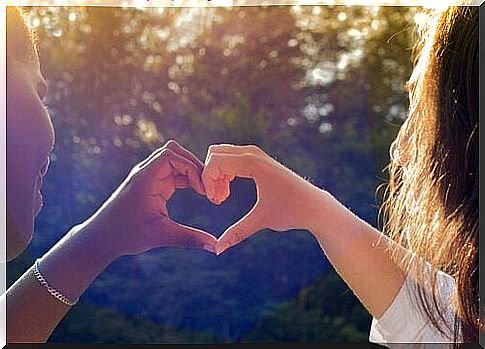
point(55, 293)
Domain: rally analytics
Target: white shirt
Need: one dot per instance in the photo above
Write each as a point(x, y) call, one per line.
point(405, 322)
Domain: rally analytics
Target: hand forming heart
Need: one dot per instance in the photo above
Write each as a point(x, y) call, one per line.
point(135, 218)
point(284, 199)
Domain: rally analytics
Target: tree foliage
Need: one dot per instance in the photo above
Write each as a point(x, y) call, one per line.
point(321, 88)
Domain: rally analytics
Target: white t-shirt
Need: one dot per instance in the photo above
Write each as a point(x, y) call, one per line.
point(404, 321)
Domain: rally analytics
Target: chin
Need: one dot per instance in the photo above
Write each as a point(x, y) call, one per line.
point(13, 254)
point(17, 238)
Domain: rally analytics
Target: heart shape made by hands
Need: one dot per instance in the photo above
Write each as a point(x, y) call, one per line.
point(197, 211)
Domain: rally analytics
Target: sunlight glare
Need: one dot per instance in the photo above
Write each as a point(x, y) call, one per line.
point(437, 4)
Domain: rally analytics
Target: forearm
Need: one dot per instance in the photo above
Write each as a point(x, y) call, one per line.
point(70, 267)
point(361, 254)
point(77, 259)
point(32, 313)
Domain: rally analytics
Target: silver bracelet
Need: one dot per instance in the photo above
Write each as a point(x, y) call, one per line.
point(50, 289)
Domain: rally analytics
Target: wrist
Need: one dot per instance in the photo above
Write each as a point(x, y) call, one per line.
point(76, 260)
point(331, 216)
point(321, 200)
point(94, 236)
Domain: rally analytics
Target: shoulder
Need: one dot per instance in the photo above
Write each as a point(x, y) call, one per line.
point(406, 322)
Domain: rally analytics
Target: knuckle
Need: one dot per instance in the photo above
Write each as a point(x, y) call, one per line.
point(172, 144)
point(166, 153)
point(216, 162)
point(142, 164)
point(252, 148)
point(211, 160)
point(214, 148)
point(204, 175)
point(135, 169)
point(154, 154)
point(252, 158)
point(238, 235)
point(135, 180)
point(216, 157)
point(190, 241)
point(156, 151)
point(156, 217)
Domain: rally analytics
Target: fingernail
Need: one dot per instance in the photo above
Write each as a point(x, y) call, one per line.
point(209, 248)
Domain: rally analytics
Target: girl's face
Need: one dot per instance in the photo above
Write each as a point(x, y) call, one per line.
point(30, 138)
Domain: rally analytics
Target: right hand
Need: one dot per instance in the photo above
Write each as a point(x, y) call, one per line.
point(135, 218)
point(284, 200)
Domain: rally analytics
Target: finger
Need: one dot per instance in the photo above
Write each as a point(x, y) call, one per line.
point(225, 165)
point(220, 165)
point(187, 168)
point(243, 165)
point(226, 188)
point(181, 182)
point(149, 158)
point(222, 190)
point(177, 148)
point(164, 188)
point(250, 224)
point(185, 236)
point(235, 149)
point(210, 175)
point(169, 163)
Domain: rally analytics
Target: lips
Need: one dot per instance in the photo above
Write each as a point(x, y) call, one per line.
point(40, 181)
point(42, 173)
point(45, 167)
point(39, 201)
point(38, 185)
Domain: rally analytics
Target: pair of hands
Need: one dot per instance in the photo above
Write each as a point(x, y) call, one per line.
point(136, 214)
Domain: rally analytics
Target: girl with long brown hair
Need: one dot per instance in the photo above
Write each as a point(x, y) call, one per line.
point(419, 279)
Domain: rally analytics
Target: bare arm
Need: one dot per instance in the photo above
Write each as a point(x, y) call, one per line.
point(29, 306)
point(32, 313)
point(359, 253)
point(133, 220)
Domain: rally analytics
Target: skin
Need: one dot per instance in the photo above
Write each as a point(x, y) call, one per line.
point(286, 201)
point(133, 220)
point(29, 142)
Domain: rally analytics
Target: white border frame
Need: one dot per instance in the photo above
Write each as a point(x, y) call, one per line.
point(141, 3)
point(218, 3)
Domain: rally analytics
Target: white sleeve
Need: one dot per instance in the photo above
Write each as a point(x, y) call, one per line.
point(405, 322)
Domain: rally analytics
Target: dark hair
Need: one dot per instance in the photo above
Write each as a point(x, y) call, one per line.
point(432, 201)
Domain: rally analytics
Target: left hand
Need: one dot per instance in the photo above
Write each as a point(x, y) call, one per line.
point(284, 200)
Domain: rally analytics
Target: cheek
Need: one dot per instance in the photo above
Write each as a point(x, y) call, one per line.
point(20, 205)
point(20, 190)
point(17, 238)
point(29, 140)
point(29, 134)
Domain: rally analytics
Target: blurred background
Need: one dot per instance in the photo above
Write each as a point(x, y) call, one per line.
point(322, 89)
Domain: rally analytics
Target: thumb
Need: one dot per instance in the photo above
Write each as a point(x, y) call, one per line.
point(248, 225)
point(185, 236)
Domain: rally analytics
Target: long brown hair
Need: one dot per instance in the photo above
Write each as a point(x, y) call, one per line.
point(431, 206)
